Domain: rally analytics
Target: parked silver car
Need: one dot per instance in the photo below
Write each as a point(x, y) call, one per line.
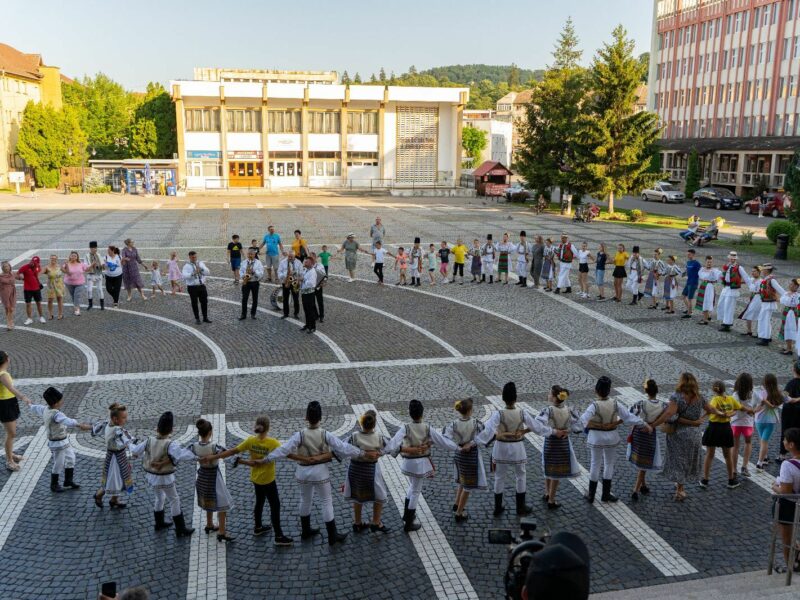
point(665, 192)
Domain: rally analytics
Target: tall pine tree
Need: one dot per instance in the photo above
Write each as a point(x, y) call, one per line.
point(692, 174)
point(357, 78)
point(382, 75)
point(346, 78)
point(567, 55)
point(615, 141)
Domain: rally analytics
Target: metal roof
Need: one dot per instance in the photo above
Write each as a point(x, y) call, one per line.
point(737, 144)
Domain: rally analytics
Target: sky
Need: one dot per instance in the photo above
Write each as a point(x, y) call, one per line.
point(157, 40)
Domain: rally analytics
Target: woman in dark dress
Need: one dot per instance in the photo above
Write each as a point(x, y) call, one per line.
point(131, 278)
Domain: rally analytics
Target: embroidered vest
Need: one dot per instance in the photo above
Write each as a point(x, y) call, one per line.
point(652, 410)
point(417, 434)
point(605, 411)
point(511, 420)
point(732, 278)
point(56, 432)
point(464, 430)
point(559, 417)
point(113, 439)
point(767, 292)
point(158, 449)
point(313, 442)
point(565, 253)
point(202, 449)
point(368, 442)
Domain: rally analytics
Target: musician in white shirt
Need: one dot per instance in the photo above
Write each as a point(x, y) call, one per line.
point(194, 274)
point(308, 295)
point(288, 269)
point(250, 273)
point(322, 279)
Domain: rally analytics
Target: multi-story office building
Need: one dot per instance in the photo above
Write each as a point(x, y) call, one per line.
point(267, 134)
point(498, 135)
point(724, 78)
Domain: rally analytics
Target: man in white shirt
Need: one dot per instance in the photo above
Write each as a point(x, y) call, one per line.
point(194, 274)
point(94, 276)
point(565, 253)
point(250, 272)
point(289, 269)
point(308, 294)
point(322, 279)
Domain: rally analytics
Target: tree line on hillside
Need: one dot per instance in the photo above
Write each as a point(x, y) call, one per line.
point(98, 114)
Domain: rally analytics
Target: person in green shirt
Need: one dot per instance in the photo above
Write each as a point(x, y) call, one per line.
point(324, 258)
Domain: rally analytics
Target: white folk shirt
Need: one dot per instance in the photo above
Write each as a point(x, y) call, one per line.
point(258, 269)
point(283, 268)
point(423, 466)
point(58, 417)
point(313, 473)
point(309, 279)
point(510, 452)
point(726, 278)
point(95, 263)
point(176, 452)
point(607, 439)
point(190, 273)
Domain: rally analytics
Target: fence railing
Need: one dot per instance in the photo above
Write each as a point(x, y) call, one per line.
point(226, 184)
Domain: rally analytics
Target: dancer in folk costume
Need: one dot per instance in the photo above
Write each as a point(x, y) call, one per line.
point(565, 253)
point(602, 418)
point(790, 301)
point(707, 293)
point(548, 265)
point(161, 456)
point(523, 250)
point(364, 483)
point(117, 473)
point(635, 274)
point(508, 427)
point(415, 263)
point(558, 457)
point(657, 269)
point(413, 441)
point(670, 285)
point(470, 472)
point(733, 277)
point(750, 314)
point(504, 250)
point(475, 261)
point(212, 493)
point(770, 292)
point(644, 449)
point(488, 252)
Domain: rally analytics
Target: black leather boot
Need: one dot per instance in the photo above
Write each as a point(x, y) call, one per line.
point(161, 523)
point(306, 532)
point(569, 290)
point(411, 524)
point(592, 491)
point(91, 303)
point(607, 495)
point(334, 537)
point(69, 474)
point(498, 505)
point(54, 486)
point(181, 530)
point(522, 508)
point(102, 304)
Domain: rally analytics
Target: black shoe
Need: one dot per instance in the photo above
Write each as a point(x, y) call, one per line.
point(321, 320)
point(91, 303)
point(282, 540)
point(381, 527)
point(607, 495)
point(261, 530)
point(498, 505)
point(243, 317)
point(635, 496)
point(633, 302)
point(304, 328)
point(704, 483)
point(102, 304)
point(553, 505)
point(312, 330)
point(462, 518)
point(359, 527)
point(334, 537)
point(762, 342)
point(569, 290)
point(725, 328)
point(522, 508)
point(557, 291)
point(54, 486)
point(592, 492)
point(68, 479)
point(411, 524)
point(208, 529)
point(733, 483)
point(306, 532)
point(117, 504)
point(284, 316)
point(181, 530)
point(197, 321)
point(224, 537)
point(645, 491)
point(253, 317)
point(161, 523)
point(206, 320)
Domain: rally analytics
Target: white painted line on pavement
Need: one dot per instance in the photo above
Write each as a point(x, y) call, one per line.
point(294, 206)
point(157, 205)
point(20, 485)
point(92, 364)
point(23, 257)
point(259, 205)
point(446, 574)
point(85, 450)
point(226, 205)
point(325, 206)
point(235, 428)
point(192, 206)
point(208, 570)
point(19, 444)
point(359, 207)
point(641, 536)
point(346, 427)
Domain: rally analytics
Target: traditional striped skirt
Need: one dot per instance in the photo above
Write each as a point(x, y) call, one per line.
point(212, 494)
point(557, 458)
point(475, 266)
point(643, 449)
point(651, 285)
point(701, 294)
point(467, 468)
point(547, 269)
point(361, 477)
point(117, 474)
point(502, 263)
point(669, 287)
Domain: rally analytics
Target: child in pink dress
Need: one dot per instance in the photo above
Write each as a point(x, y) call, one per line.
point(174, 273)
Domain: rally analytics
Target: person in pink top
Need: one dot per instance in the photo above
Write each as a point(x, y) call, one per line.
point(75, 279)
point(174, 273)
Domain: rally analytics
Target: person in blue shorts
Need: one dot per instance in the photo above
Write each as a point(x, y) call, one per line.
point(693, 267)
point(235, 256)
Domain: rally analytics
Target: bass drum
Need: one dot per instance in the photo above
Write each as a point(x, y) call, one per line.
point(276, 299)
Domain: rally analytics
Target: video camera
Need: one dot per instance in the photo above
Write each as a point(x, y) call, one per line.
point(520, 552)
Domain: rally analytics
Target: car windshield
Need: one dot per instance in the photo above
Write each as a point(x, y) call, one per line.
point(724, 193)
point(666, 187)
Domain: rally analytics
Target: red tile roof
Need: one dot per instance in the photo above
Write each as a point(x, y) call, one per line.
point(14, 62)
point(489, 165)
point(524, 97)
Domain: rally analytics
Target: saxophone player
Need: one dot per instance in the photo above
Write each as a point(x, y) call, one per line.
point(308, 293)
point(251, 271)
point(322, 279)
point(289, 272)
point(194, 274)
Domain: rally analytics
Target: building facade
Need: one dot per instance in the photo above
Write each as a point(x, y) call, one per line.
point(250, 134)
point(724, 80)
point(498, 135)
point(23, 78)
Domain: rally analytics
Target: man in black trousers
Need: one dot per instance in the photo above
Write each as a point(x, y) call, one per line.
point(194, 274)
point(308, 295)
point(290, 269)
point(250, 273)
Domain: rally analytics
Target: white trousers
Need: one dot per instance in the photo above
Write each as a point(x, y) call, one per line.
point(608, 456)
point(500, 470)
point(727, 305)
point(162, 494)
point(323, 491)
point(95, 282)
point(563, 276)
point(63, 458)
point(765, 320)
point(414, 491)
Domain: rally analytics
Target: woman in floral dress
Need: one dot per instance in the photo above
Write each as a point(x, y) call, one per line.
point(131, 278)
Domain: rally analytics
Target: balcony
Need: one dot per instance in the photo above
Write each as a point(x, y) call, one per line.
point(676, 174)
point(724, 177)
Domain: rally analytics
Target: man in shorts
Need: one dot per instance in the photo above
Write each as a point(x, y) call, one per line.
point(692, 282)
point(32, 289)
point(235, 256)
point(273, 254)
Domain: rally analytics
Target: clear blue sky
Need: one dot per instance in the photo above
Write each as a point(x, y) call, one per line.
point(142, 40)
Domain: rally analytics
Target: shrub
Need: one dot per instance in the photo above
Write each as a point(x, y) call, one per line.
point(99, 189)
point(47, 178)
point(637, 216)
point(778, 227)
point(746, 238)
point(616, 217)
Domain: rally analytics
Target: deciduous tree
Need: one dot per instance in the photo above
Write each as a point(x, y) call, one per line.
point(474, 142)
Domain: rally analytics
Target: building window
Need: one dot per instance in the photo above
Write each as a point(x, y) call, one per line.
point(778, 130)
point(757, 17)
point(246, 121)
point(202, 119)
point(324, 121)
point(792, 86)
point(769, 52)
point(782, 87)
point(362, 159)
point(284, 121)
point(362, 122)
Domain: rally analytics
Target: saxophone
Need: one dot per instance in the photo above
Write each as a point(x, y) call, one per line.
point(291, 280)
point(248, 273)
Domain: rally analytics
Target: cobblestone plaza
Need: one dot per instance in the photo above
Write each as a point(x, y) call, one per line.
point(378, 347)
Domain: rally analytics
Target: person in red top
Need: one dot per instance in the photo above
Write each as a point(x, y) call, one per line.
point(31, 288)
point(734, 276)
point(770, 292)
point(565, 253)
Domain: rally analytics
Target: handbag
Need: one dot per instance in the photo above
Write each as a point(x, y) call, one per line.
point(668, 428)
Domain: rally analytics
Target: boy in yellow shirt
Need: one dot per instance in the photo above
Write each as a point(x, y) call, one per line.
point(459, 252)
point(719, 434)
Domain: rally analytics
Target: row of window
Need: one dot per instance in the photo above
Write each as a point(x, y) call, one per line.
point(756, 89)
point(15, 85)
point(784, 125)
point(281, 121)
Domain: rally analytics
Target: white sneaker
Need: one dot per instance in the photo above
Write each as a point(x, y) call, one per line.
point(28, 321)
point(42, 320)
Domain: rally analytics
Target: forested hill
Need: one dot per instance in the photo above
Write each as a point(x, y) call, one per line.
point(466, 74)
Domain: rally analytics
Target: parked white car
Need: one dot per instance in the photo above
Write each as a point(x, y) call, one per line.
point(664, 192)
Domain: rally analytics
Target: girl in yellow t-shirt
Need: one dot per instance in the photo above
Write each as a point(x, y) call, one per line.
point(263, 477)
point(719, 434)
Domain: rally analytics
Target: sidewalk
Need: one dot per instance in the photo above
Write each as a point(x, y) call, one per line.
point(742, 586)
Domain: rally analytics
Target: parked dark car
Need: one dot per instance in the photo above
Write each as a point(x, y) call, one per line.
point(775, 205)
point(715, 197)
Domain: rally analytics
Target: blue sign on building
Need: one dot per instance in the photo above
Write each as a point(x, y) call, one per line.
point(204, 154)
